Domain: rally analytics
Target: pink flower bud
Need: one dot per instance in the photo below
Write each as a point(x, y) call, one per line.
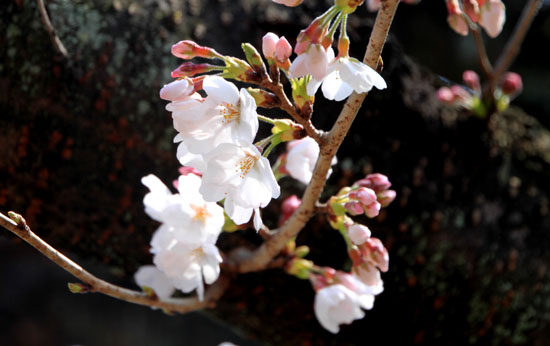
point(283, 50)
point(188, 50)
point(354, 208)
point(288, 207)
point(358, 233)
point(373, 251)
point(189, 69)
point(313, 34)
point(512, 84)
point(366, 195)
point(445, 95)
point(376, 181)
point(460, 93)
point(289, 3)
point(471, 8)
point(269, 41)
point(456, 19)
point(493, 15)
point(386, 197)
point(471, 79)
point(373, 5)
point(373, 209)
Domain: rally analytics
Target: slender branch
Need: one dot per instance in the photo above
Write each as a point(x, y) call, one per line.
point(287, 106)
point(514, 43)
point(50, 29)
point(330, 143)
point(181, 305)
point(484, 61)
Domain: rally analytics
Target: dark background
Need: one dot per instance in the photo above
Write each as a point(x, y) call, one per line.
point(467, 234)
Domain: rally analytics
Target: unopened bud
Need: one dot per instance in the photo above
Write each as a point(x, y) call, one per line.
point(301, 251)
point(376, 181)
point(358, 233)
point(189, 69)
point(373, 209)
point(445, 95)
point(269, 41)
point(188, 50)
point(364, 194)
point(300, 268)
point(254, 58)
point(512, 84)
point(386, 197)
point(471, 8)
point(471, 79)
point(78, 287)
point(354, 208)
point(313, 34)
point(263, 98)
point(460, 93)
point(288, 207)
point(456, 19)
point(374, 251)
point(289, 3)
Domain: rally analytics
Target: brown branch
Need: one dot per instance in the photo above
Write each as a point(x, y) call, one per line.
point(181, 305)
point(514, 43)
point(330, 143)
point(50, 29)
point(484, 61)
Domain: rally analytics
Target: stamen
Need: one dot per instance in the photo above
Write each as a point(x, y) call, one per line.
point(229, 111)
point(246, 164)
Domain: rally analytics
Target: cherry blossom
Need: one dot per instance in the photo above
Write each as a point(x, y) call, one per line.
point(240, 175)
point(346, 75)
point(314, 62)
point(301, 158)
point(335, 305)
point(492, 16)
point(224, 116)
point(151, 276)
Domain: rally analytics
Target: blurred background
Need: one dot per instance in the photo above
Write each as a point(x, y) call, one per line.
point(468, 234)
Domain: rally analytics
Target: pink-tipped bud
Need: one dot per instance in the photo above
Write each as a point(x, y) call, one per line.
point(313, 34)
point(288, 207)
point(188, 50)
point(512, 84)
point(471, 79)
point(269, 41)
point(493, 16)
point(386, 197)
point(358, 233)
point(445, 95)
point(365, 195)
point(456, 19)
point(177, 90)
point(354, 208)
point(289, 3)
point(471, 8)
point(460, 94)
point(374, 252)
point(373, 209)
point(189, 69)
point(283, 50)
point(376, 181)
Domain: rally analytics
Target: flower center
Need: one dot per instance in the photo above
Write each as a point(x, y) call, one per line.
point(229, 111)
point(245, 164)
point(201, 213)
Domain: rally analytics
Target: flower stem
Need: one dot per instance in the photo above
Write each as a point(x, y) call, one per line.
point(266, 119)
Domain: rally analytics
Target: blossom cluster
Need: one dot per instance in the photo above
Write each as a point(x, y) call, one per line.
point(183, 246)
point(489, 14)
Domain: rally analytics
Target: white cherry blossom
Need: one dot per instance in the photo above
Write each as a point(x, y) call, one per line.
point(345, 75)
point(151, 276)
point(301, 159)
point(335, 305)
point(314, 61)
point(224, 116)
point(240, 175)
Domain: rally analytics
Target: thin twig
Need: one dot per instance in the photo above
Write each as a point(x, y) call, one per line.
point(514, 43)
point(181, 305)
point(287, 106)
point(50, 29)
point(484, 61)
point(330, 143)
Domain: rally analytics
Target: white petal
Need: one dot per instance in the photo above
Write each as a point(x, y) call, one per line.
point(151, 276)
point(258, 223)
point(298, 68)
point(220, 90)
